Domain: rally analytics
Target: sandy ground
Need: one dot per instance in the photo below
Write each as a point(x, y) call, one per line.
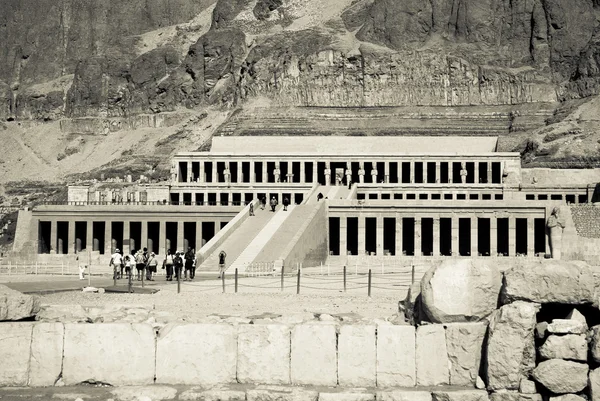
point(256, 295)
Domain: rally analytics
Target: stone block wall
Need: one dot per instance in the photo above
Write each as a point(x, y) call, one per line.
point(311, 353)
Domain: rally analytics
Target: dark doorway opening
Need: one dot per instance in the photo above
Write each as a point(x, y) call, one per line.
point(189, 235)
point(116, 241)
point(352, 235)
point(446, 237)
point(483, 178)
point(135, 236)
point(258, 171)
point(503, 237)
point(427, 236)
point(406, 172)
point(393, 173)
point(371, 235)
point(154, 237)
point(431, 173)
point(208, 231)
point(321, 173)
point(456, 172)
point(539, 236)
point(183, 172)
point(308, 172)
point(98, 242)
point(521, 237)
point(212, 198)
point(334, 235)
point(224, 199)
point(418, 172)
point(171, 233)
point(483, 236)
point(208, 168)
point(444, 172)
point(470, 172)
point(464, 237)
point(44, 234)
point(408, 236)
point(284, 167)
point(245, 172)
point(221, 171)
point(389, 235)
point(496, 173)
point(296, 172)
point(80, 235)
point(270, 169)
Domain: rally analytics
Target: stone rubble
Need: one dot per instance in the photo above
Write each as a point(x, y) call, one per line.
point(16, 306)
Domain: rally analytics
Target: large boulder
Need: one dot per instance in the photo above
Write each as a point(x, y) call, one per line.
point(461, 290)
point(562, 377)
point(464, 342)
point(551, 281)
point(572, 347)
point(511, 345)
point(594, 337)
point(17, 306)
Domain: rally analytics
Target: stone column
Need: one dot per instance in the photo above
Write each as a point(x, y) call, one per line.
point(71, 247)
point(361, 172)
point(89, 236)
point(240, 172)
point(180, 237)
point(162, 238)
point(361, 235)
point(438, 172)
point(398, 234)
point(201, 172)
point(379, 233)
point(198, 244)
point(425, 172)
point(265, 173)
point(213, 176)
point(387, 172)
point(412, 172)
point(512, 236)
point(108, 238)
point(277, 172)
point(418, 237)
point(315, 172)
point(302, 178)
point(455, 250)
point(474, 238)
point(126, 237)
point(476, 172)
point(343, 235)
point(144, 239)
point(327, 173)
point(189, 171)
point(374, 173)
point(493, 236)
point(489, 172)
point(450, 171)
point(436, 236)
point(530, 237)
point(252, 178)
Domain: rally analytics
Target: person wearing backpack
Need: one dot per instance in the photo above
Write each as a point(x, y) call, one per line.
point(190, 258)
point(152, 264)
point(140, 264)
point(168, 265)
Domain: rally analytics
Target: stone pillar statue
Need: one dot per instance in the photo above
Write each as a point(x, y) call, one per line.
point(173, 171)
point(327, 174)
point(277, 173)
point(361, 173)
point(227, 175)
point(374, 173)
point(463, 172)
point(555, 226)
point(348, 174)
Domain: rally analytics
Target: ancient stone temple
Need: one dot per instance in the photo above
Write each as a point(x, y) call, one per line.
point(350, 197)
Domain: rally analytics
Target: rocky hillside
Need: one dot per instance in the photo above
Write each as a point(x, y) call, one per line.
point(68, 60)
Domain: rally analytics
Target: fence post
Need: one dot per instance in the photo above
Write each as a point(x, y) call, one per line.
point(143, 274)
point(298, 284)
point(129, 284)
point(114, 275)
point(236, 280)
point(344, 278)
point(369, 283)
point(412, 276)
point(178, 280)
point(282, 271)
point(223, 281)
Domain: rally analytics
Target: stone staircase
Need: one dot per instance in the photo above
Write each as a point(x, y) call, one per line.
point(239, 240)
point(251, 251)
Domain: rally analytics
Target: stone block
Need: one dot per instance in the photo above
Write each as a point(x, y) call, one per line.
point(396, 359)
point(212, 395)
point(571, 347)
point(432, 356)
point(527, 386)
point(314, 355)
point(514, 396)
point(460, 290)
point(201, 354)
point(15, 305)
point(594, 336)
point(594, 384)
point(464, 342)
point(460, 395)
point(346, 396)
point(99, 353)
point(263, 354)
point(45, 365)
point(357, 360)
point(510, 345)
point(562, 377)
point(568, 397)
point(62, 314)
point(138, 393)
point(281, 394)
point(551, 281)
point(15, 349)
point(403, 395)
point(567, 326)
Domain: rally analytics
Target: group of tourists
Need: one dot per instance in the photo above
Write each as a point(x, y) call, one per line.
point(273, 203)
point(146, 263)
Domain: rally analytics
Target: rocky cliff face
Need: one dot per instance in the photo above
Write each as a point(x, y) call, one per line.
point(84, 58)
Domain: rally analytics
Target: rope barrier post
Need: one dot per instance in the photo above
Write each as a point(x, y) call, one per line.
point(114, 275)
point(178, 273)
point(223, 281)
point(282, 271)
point(130, 283)
point(236, 280)
point(298, 284)
point(412, 277)
point(344, 278)
point(143, 274)
point(369, 283)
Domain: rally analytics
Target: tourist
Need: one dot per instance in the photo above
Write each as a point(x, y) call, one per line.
point(151, 266)
point(168, 265)
point(263, 202)
point(273, 204)
point(116, 261)
point(319, 196)
point(129, 262)
point(190, 257)
point(286, 202)
point(222, 256)
point(251, 209)
point(140, 264)
point(178, 264)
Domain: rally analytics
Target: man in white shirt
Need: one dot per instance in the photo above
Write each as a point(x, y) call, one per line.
point(116, 261)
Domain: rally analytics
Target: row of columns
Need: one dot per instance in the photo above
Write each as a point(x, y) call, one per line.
point(56, 244)
point(348, 171)
point(493, 235)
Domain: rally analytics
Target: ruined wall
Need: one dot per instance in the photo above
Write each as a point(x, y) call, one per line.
point(581, 239)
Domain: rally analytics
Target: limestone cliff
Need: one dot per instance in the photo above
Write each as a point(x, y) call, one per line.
point(85, 58)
